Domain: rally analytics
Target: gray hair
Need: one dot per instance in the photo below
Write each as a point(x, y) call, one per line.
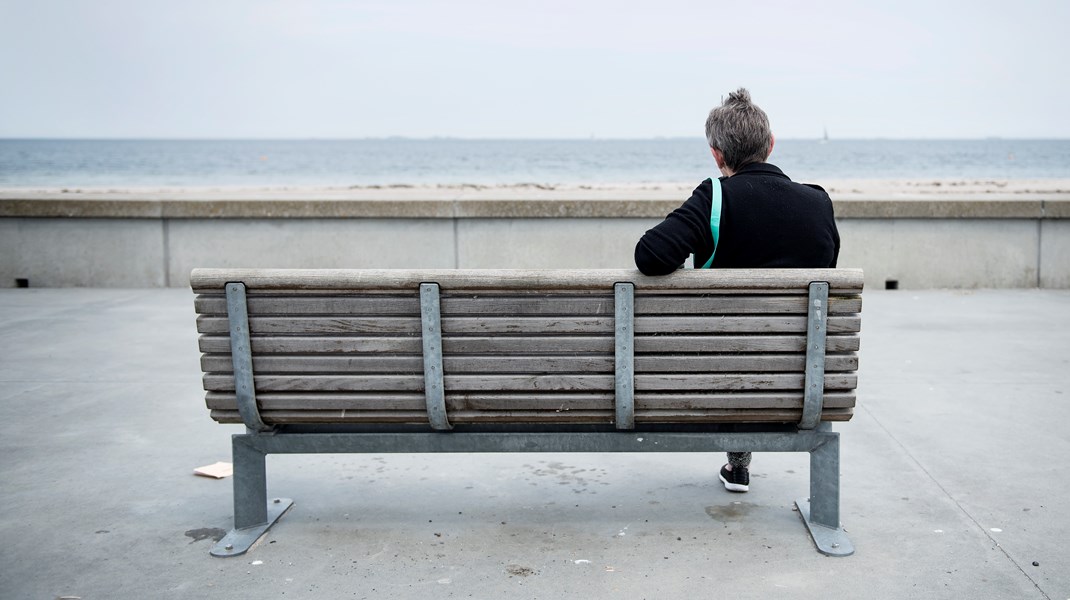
point(739, 130)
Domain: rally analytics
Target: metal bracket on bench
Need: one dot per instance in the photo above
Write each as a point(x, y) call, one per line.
point(830, 541)
point(239, 541)
point(624, 302)
point(820, 511)
point(816, 329)
point(241, 355)
point(434, 386)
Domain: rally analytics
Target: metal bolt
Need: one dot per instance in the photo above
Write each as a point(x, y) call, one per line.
point(835, 545)
point(277, 501)
point(228, 547)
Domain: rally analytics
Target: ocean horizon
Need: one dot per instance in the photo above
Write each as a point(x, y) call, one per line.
point(94, 163)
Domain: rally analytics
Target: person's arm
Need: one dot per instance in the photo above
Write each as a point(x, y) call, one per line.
point(685, 231)
point(832, 219)
point(836, 249)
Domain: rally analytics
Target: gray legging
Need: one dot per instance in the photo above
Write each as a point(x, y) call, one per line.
point(739, 460)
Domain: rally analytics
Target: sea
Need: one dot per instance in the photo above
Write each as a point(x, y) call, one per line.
point(55, 163)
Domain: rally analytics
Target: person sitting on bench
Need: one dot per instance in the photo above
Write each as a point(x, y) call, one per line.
point(753, 216)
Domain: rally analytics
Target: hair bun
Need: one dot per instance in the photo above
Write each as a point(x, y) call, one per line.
point(740, 96)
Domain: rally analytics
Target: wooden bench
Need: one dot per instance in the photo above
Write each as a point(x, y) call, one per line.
point(379, 361)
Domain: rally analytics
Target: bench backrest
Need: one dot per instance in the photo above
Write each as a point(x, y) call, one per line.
point(535, 346)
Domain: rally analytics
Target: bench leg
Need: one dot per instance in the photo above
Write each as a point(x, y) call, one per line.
point(821, 511)
point(253, 513)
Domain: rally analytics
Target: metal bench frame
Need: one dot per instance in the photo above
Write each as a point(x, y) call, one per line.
point(254, 514)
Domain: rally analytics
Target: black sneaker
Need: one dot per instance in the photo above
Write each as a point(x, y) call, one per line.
point(736, 480)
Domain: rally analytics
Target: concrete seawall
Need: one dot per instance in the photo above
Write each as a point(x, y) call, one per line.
point(143, 241)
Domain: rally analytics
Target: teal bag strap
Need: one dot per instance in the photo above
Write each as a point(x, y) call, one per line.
point(715, 218)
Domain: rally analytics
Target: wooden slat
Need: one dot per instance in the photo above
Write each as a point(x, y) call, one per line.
point(681, 344)
point(416, 402)
point(733, 400)
point(744, 382)
point(451, 364)
point(736, 343)
point(341, 383)
point(840, 280)
point(316, 325)
point(326, 401)
point(217, 344)
point(526, 325)
point(468, 345)
point(525, 401)
point(748, 324)
point(532, 416)
point(520, 383)
point(531, 304)
point(522, 305)
point(752, 363)
point(355, 383)
point(524, 383)
point(533, 345)
point(528, 305)
point(740, 363)
point(304, 325)
point(376, 363)
point(550, 345)
point(738, 305)
point(314, 305)
point(736, 416)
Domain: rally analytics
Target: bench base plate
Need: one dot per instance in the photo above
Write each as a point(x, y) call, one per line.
point(239, 541)
point(829, 541)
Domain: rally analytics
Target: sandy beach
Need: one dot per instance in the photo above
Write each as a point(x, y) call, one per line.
point(846, 189)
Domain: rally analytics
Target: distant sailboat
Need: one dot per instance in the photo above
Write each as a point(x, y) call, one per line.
point(825, 139)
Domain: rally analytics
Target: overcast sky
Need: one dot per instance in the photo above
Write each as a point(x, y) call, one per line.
point(549, 68)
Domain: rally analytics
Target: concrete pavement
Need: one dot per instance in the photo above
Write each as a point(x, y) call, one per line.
point(953, 485)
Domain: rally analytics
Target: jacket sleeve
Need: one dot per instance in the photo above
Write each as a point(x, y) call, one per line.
point(832, 227)
point(836, 245)
point(684, 231)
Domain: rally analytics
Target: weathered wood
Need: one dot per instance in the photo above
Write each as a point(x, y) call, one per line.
point(341, 383)
point(674, 344)
point(742, 363)
point(317, 325)
point(840, 280)
point(304, 325)
point(326, 401)
point(314, 305)
point(375, 363)
point(738, 305)
point(512, 325)
point(306, 383)
point(743, 382)
point(734, 400)
point(528, 346)
point(451, 364)
point(748, 324)
point(522, 305)
point(720, 363)
point(467, 345)
point(532, 382)
point(525, 401)
point(535, 417)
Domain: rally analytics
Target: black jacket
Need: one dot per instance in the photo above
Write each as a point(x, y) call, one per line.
point(767, 221)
